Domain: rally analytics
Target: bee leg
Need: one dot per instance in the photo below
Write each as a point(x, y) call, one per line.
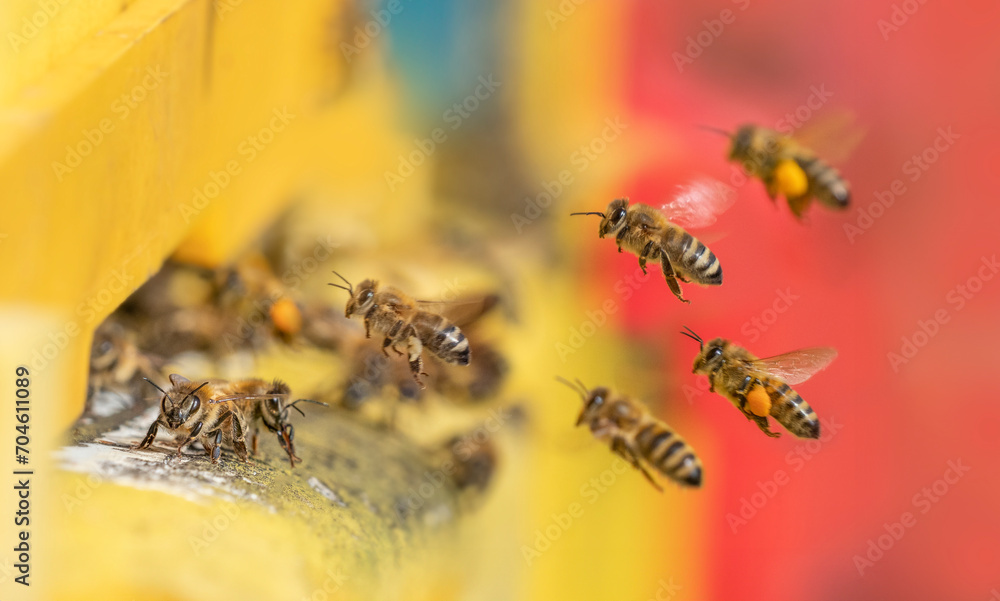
point(214, 448)
point(798, 205)
point(771, 186)
point(190, 438)
point(253, 440)
point(286, 437)
point(415, 348)
point(150, 436)
point(621, 236)
point(668, 274)
point(239, 441)
point(711, 380)
point(645, 254)
point(385, 345)
point(621, 448)
point(761, 421)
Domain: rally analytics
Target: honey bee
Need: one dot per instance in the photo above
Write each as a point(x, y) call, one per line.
point(637, 436)
point(474, 461)
point(649, 233)
point(762, 387)
point(400, 319)
point(116, 360)
point(217, 411)
point(788, 168)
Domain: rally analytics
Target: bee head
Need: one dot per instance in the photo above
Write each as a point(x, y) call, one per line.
point(177, 412)
point(743, 142)
point(361, 299)
point(593, 403)
point(710, 357)
point(614, 217)
point(593, 400)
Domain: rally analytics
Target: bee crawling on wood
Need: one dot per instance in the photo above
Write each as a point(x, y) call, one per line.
point(214, 412)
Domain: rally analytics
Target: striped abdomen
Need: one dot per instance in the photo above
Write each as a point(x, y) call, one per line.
point(791, 410)
point(668, 453)
point(825, 182)
point(690, 258)
point(442, 338)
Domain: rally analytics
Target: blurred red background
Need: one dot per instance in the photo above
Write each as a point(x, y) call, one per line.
point(891, 424)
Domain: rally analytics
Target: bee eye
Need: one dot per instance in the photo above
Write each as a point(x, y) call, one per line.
point(598, 400)
point(712, 354)
point(366, 296)
point(192, 407)
point(618, 215)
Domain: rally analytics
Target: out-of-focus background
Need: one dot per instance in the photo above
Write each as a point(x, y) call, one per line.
point(430, 139)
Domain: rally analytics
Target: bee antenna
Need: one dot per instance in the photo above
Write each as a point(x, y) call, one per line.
point(578, 386)
point(690, 334)
point(590, 213)
point(716, 130)
point(203, 384)
point(158, 388)
point(292, 405)
point(350, 287)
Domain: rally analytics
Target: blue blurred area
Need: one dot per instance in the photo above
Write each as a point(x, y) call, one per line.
point(438, 49)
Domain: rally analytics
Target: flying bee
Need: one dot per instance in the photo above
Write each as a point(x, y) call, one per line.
point(763, 387)
point(637, 436)
point(400, 319)
point(788, 168)
point(217, 411)
point(651, 234)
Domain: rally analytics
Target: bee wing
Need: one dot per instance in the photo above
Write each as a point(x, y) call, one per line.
point(797, 366)
point(833, 137)
point(462, 311)
point(699, 203)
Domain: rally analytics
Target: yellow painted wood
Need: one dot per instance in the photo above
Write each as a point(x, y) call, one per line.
point(178, 125)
